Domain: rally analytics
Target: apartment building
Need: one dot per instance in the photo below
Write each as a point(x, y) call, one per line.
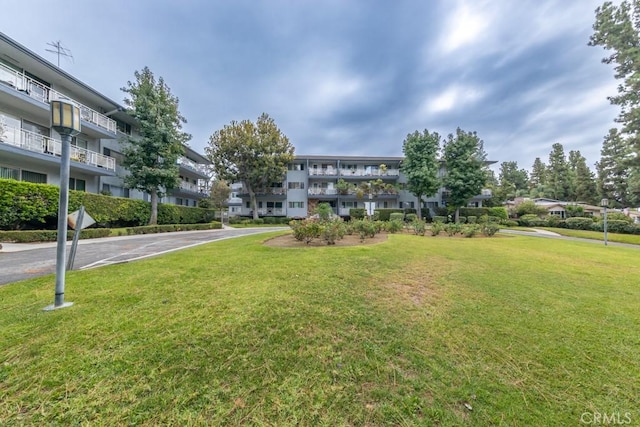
point(30, 149)
point(344, 182)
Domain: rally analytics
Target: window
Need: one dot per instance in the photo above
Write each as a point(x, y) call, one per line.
point(296, 205)
point(123, 127)
point(9, 173)
point(248, 205)
point(35, 177)
point(77, 184)
point(349, 205)
point(295, 185)
point(296, 167)
point(401, 205)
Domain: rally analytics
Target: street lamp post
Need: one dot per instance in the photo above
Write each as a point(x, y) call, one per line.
point(65, 119)
point(604, 203)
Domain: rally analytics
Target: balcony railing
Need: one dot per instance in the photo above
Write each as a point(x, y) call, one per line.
point(43, 144)
point(323, 172)
point(323, 191)
point(39, 92)
point(372, 172)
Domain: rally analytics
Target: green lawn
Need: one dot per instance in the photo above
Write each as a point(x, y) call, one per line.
point(633, 239)
point(524, 331)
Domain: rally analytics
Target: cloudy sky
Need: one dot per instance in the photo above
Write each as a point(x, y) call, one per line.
point(349, 77)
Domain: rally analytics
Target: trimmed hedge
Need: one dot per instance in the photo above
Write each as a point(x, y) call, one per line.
point(385, 214)
point(152, 229)
point(357, 213)
point(31, 236)
point(25, 205)
point(579, 223)
point(397, 216)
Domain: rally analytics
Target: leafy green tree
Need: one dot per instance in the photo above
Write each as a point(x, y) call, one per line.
point(617, 29)
point(219, 196)
point(421, 165)
point(613, 169)
point(466, 172)
point(255, 154)
point(583, 183)
point(152, 157)
point(511, 180)
point(557, 179)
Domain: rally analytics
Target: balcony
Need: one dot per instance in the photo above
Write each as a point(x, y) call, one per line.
point(323, 172)
point(194, 167)
point(323, 192)
point(37, 143)
point(43, 94)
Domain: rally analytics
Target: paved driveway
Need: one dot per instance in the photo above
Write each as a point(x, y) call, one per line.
point(23, 261)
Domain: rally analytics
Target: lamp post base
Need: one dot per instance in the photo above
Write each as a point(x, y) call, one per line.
point(56, 307)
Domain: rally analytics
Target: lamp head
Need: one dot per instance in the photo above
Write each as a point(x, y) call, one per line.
point(65, 117)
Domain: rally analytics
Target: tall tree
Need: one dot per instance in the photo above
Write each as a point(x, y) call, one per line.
point(255, 154)
point(583, 185)
point(152, 157)
point(466, 172)
point(617, 29)
point(557, 177)
point(613, 169)
point(421, 165)
point(512, 180)
point(538, 173)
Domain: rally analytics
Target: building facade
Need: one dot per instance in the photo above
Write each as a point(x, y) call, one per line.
point(344, 182)
point(30, 149)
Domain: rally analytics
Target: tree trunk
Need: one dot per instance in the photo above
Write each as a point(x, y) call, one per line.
point(254, 204)
point(419, 210)
point(457, 217)
point(154, 207)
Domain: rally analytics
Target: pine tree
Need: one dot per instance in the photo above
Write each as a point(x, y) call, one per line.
point(613, 169)
point(583, 183)
point(538, 174)
point(557, 177)
point(511, 180)
point(617, 29)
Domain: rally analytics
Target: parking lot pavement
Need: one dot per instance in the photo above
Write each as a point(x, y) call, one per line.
point(19, 261)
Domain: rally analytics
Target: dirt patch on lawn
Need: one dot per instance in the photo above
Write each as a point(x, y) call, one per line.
point(288, 241)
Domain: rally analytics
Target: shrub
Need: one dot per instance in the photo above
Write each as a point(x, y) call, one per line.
point(462, 219)
point(472, 219)
point(332, 231)
point(469, 230)
point(615, 226)
point(257, 221)
point(436, 228)
point(616, 216)
point(530, 220)
point(452, 228)
point(270, 220)
point(498, 211)
point(365, 228)
point(553, 220)
point(324, 211)
point(398, 216)
point(419, 227)
point(490, 228)
point(410, 217)
point(508, 223)
point(439, 219)
point(395, 225)
point(579, 223)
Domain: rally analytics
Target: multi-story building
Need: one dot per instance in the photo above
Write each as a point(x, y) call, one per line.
point(30, 149)
point(344, 182)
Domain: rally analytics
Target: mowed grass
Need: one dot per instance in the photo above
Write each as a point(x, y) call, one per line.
point(413, 331)
point(633, 239)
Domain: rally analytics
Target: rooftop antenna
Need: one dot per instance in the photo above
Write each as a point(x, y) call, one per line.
point(59, 50)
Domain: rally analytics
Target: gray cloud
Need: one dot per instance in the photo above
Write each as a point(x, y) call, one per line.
point(351, 77)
